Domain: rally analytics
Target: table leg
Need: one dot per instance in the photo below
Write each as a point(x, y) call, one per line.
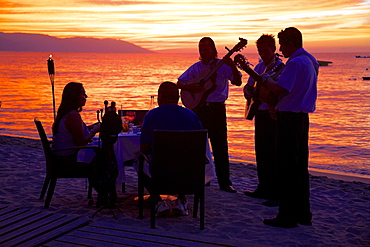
point(123, 187)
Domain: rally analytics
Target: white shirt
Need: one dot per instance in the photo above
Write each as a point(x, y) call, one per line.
point(224, 75)
point(299, 78)
point(64, 139)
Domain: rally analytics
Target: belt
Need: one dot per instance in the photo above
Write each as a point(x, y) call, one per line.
point(215, 103)
point(290, 112)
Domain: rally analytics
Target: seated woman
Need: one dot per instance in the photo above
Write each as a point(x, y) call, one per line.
point(69, 130)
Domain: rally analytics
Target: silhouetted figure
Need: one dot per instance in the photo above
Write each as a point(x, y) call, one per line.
point(297, 90)
point(212, 114)
point(265, 122)
point(168, 116)
point(68, 129)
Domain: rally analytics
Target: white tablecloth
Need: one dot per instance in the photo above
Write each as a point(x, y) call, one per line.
point(128, 146)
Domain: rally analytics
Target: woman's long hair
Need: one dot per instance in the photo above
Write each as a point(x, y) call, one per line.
point(70, 102)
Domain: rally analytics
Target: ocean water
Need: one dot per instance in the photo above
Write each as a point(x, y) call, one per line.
point(339, 130)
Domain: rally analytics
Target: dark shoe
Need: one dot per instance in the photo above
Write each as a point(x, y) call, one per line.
point(256, 194)
point(102, 200)
point(305, 222)
point(305, 219)
point(228, 188)
point(279, 222)
point(271, 203)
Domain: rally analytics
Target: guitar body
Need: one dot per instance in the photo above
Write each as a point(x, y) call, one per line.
point(251, 108)
point(261, 93)
point(267, 96)
point(193, 99)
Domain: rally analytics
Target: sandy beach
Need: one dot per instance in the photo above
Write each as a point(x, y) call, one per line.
point(341, 209)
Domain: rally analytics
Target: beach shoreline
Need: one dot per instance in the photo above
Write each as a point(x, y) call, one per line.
point(340, 208)
point(340, 175)
point(313, 171)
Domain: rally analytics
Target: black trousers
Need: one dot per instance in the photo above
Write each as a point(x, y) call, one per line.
point(213, 118)
point(265, 143)
point(292, 156)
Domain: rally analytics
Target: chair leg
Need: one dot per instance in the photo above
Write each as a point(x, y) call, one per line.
point(123, 187)
point(196, 202)
point(53, 183)
point(44, 187)
point(202, 211)
point(141, 203)
point(140, 189)
point(89, 193)
point(152, 213)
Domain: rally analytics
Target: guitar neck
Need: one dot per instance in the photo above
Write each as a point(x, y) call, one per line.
point(252, 73)
point(214, 70)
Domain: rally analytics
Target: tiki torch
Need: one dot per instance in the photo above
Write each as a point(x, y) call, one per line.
point(51, 76)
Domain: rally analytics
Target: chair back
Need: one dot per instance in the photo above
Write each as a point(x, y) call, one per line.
point(178, 161)
point(139, 115)
point(45, 145)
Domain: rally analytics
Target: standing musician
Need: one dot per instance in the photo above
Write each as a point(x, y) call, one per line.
point(264, 123)
point(297, 90)
point(213, 112)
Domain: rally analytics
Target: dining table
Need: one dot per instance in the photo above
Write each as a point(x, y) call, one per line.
point(128, 146)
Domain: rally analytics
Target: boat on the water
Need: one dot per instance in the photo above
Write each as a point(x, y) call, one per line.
point(362, 56)
point(323, 63)
point(366, 78)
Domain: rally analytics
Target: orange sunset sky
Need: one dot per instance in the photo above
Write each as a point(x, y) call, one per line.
point(177, 26)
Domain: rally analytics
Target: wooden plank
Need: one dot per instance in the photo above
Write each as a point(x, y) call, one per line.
point(29, 227)
point(11, 215)
point(104, 234)
point(71, 242)
point(29, 218)
point(151, 234)
point(68, 240)
point(34, 229)
point(57, 232)
point(6, 211)
point(136, 238)
point(14, 219)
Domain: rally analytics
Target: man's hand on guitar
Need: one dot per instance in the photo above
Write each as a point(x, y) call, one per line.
point(190, 86)
point(229, 62)
point(194, 87)
point(237, 76)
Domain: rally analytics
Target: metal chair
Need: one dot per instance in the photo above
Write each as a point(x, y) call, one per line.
point(178, 167)
point(52, 174)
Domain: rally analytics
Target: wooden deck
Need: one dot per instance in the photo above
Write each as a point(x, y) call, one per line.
point(29, 227)
point(103, 234)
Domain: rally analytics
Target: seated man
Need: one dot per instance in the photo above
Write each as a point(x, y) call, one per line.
point(168, 116)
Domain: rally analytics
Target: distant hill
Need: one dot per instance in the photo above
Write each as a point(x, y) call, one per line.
point(46, 43)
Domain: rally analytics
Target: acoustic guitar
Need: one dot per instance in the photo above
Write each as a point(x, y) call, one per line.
point(191, 99)
point(261, 93)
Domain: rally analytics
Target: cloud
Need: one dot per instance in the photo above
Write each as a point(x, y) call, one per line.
point(147, 23)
